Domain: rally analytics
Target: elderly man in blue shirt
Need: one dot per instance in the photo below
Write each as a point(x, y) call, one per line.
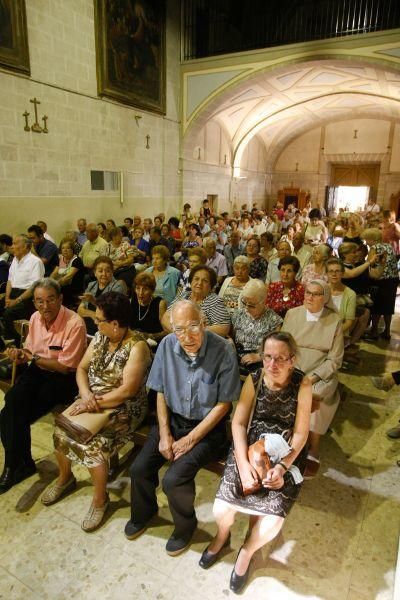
point(196, 378)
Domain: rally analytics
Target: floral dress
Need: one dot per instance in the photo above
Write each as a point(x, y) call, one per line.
point(281, 303)
point(275, 412)
point(125, 418)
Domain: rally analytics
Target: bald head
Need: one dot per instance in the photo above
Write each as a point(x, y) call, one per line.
point(187, 324)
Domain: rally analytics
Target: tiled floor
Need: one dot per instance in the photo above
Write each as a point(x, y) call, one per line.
point(339, 542)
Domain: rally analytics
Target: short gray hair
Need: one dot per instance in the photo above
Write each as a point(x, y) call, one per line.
point(255, 288)
point(47, 283)
point(242, 260)
point(27, 240)
point(181, 304)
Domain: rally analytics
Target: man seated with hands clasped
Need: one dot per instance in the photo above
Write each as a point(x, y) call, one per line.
point(196, 377)
point(53, 349)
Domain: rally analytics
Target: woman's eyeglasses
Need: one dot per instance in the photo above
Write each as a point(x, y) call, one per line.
point(249, 304)
point(280, 360)
point(313, 294)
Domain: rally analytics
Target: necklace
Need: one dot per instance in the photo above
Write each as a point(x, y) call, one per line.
point(148, 308)
point(102, 363)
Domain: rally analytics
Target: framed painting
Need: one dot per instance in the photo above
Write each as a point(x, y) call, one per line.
point(14, 50)
point(130, 47)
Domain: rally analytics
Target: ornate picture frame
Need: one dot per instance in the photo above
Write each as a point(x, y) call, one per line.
point(14, 49)
point(130, 49)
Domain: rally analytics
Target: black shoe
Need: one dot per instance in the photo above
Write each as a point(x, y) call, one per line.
point(11, 477)
point(177, 545)
point(134, 530)
point(5, 371)
point(238, 582)
point(208, 559)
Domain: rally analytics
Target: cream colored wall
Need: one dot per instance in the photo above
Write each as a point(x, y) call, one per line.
point(377, 140)
point(211, 173)
point(47, 176)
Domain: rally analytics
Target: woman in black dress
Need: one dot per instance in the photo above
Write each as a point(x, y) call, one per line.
point(282, 407)
point(146, 309)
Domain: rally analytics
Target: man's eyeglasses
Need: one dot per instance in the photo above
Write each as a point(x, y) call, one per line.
point(313, 294)
point(280, 360)
point(49, 302)
point(194, 328)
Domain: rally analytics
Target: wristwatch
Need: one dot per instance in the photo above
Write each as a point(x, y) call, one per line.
point(35, 357)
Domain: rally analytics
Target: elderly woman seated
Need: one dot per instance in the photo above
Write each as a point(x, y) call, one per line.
point(111, 375)
point(283, 249)
point(233, 286)
point(316, 269)
point(69, 273)
point(122, 255)
point(288, 292)
point(317, 329)
point(196, 256)
point(354, 319)
point(147, 310)
point(203, 280)
point(258, 264)
point(104, 282)
point(251, 324)
point(166, 277)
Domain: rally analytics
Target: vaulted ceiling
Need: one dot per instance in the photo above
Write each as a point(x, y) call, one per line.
point(279, 105)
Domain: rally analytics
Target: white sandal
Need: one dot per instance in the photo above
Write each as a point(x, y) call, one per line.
point(94, 516)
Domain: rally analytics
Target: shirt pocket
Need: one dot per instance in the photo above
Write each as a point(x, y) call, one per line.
point(208, 393)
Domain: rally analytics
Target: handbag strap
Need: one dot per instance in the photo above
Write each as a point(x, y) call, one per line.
point(253, 408)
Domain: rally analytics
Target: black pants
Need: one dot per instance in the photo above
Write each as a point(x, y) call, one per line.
point(34, 394)
point(21, 310)
point(178, 483)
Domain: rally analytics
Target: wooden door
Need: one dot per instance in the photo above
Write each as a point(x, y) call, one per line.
point(356, 175)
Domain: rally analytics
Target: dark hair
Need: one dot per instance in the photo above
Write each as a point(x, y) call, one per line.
point(268, 236)
point(115, 307)
point(211, 272)
point(103, 259)
point(6, 239)
point(282, 336)
point(103, 225)
point(314, 213)
point(112, 222)
point(129, 219)
point(335, 261)
point(173, 221)
point(156, 230)
point(196, 227)
point(186, 206)
point(113, 231)
point(36, 229)
point(254, 239)
point(67, 242)
point(124, 230)
point(290, 260)
point(146, 279)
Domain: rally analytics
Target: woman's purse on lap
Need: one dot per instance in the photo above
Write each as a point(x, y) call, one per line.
point(82, 428)
point(258, 457)
point(259, 460)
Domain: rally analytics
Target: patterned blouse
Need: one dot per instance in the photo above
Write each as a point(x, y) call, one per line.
point(280, 303)
point(212, 306)
point(390, 271)
point(309, 274)
point(121, 252)
point(258, 268)
point(249, 333)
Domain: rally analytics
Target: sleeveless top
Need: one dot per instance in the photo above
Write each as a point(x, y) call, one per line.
point(149, 320)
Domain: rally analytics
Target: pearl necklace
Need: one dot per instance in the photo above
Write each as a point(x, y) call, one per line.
point(148, 308)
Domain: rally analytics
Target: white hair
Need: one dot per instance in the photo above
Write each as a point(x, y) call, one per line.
point(255, 288)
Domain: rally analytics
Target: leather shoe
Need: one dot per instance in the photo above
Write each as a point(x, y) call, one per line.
point(134, 530)
point(177, 545)
point(238, 582)
point(208, 559)
point(11, 477)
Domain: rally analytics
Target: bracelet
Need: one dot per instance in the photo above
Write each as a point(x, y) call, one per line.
point(282, 465)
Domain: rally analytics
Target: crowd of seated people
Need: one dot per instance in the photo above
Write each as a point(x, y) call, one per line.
point(247, 275)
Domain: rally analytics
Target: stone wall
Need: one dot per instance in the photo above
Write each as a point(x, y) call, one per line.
point(47, 176)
